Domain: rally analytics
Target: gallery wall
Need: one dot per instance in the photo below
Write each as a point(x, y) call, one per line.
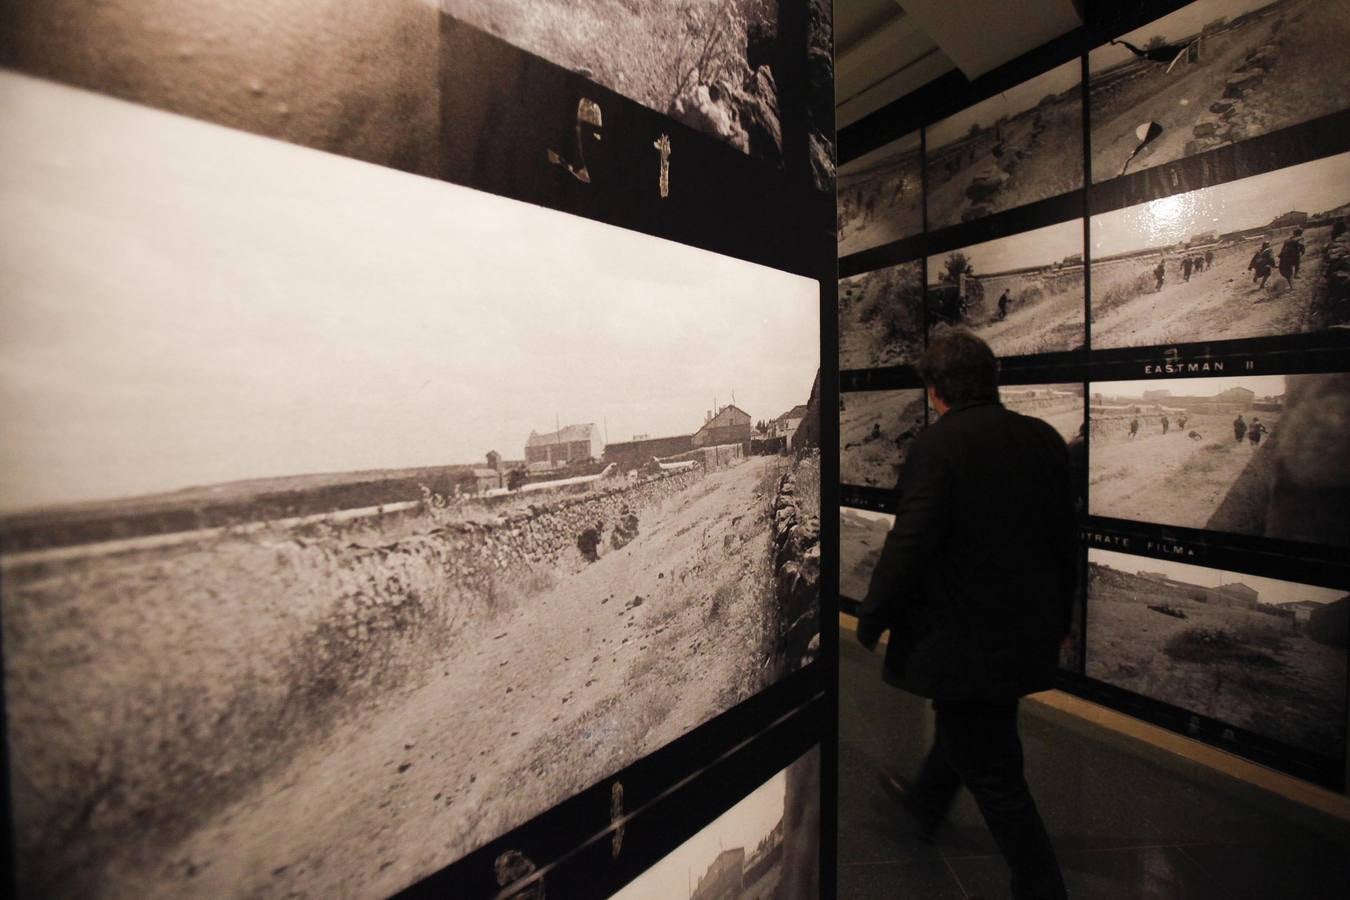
point(288, 608)
point(1146, 220)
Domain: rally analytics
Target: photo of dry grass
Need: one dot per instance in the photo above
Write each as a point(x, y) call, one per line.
point(1258, 455)
point(861, 534)
point(881, 317)
point(1256, 257)
point(712, 64)
point(1059, 405)
point(1022, 294)
point(881, 196)
point(767, 845)
point(1215, 72)
point(875, 430)
point(1263, 655)
point(315, 575)
point(345, 76)
point(1023, 145)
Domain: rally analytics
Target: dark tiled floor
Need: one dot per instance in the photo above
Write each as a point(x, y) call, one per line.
point(1123, 826)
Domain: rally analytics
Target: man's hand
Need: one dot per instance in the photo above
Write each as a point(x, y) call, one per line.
point(868, 634)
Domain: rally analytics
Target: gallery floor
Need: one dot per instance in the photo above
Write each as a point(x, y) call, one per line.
point(1124, 827)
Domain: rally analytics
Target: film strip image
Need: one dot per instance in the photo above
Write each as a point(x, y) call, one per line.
point(875, 431)
point(303, 456)
point(767, 845)
point(881, 196)
point(1264, 655)
point(1059, 405)
point(1257, 257)
point(357, 79)
point(1253, 455)
point(881, 317)
point(861, 534)
point(1023, 294)
point(1213, 73)
point(1019, 146)
point(715, 65)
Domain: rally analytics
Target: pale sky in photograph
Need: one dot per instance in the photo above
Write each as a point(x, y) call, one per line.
point(744, 825)
point(1270, 590)
point(1184, 23)
point(185, 304)
point(1009, 103)
point(1311, 187)
point(1030, 248)
point(1206, 386)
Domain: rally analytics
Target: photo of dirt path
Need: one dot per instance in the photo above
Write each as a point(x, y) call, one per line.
point(1022, 145)
point(881, 317)
point(316, 576)
point(881, 196)
point(1263, 655)
point(1022, 294)
point(1058, 405)
point(1213, 73)
point(875, 430)
point(861, 534)
point(1258, 455)
point(1256, 257)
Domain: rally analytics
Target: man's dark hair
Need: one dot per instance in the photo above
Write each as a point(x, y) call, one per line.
point(960, 368)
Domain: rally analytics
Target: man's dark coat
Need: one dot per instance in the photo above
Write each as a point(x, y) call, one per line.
point(976, 579)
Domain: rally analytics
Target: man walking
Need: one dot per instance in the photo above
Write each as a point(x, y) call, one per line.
point(1239, 428)
point(975, 582)
point(1159, 274)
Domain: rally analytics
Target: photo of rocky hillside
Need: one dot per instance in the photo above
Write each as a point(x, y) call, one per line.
point(1019, 146)
point(1259, 455)
point(861, 534)
point(881, 317)
point(352, 519)
point(1256, 257)
point(875, 431)
point(1265, 655)
point(1215, 72)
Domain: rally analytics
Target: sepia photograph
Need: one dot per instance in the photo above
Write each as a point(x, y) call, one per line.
point(766, 846)
point(1263, 655)
point(861, 534)
point(352, 519)
point(881, 317)
point(1019, 146)
point(1260, 256)
point(352, 77)
point(881, 196)
point(1022, 294)
point(1215, 72)
point(1059, 405)
point(1259, 455)
point(875, 431)
point(714, 65)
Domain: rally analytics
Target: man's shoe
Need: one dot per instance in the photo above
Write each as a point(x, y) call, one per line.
point(926, 821)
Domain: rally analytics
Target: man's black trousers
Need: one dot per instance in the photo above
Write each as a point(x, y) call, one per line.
point(977, 745)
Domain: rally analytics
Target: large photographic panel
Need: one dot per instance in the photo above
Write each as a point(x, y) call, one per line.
point(1213, 73)
point(1023, 294)
point(1254, 455)
point(304, 462)
point(881, 196)
point(767, 845)
point(881, 317)
point(1059, 405)
point(861, 534)
point(1019, 146)
point(875, 431)
point(1256, 257)
point(353, 77)
point(1265, 655)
